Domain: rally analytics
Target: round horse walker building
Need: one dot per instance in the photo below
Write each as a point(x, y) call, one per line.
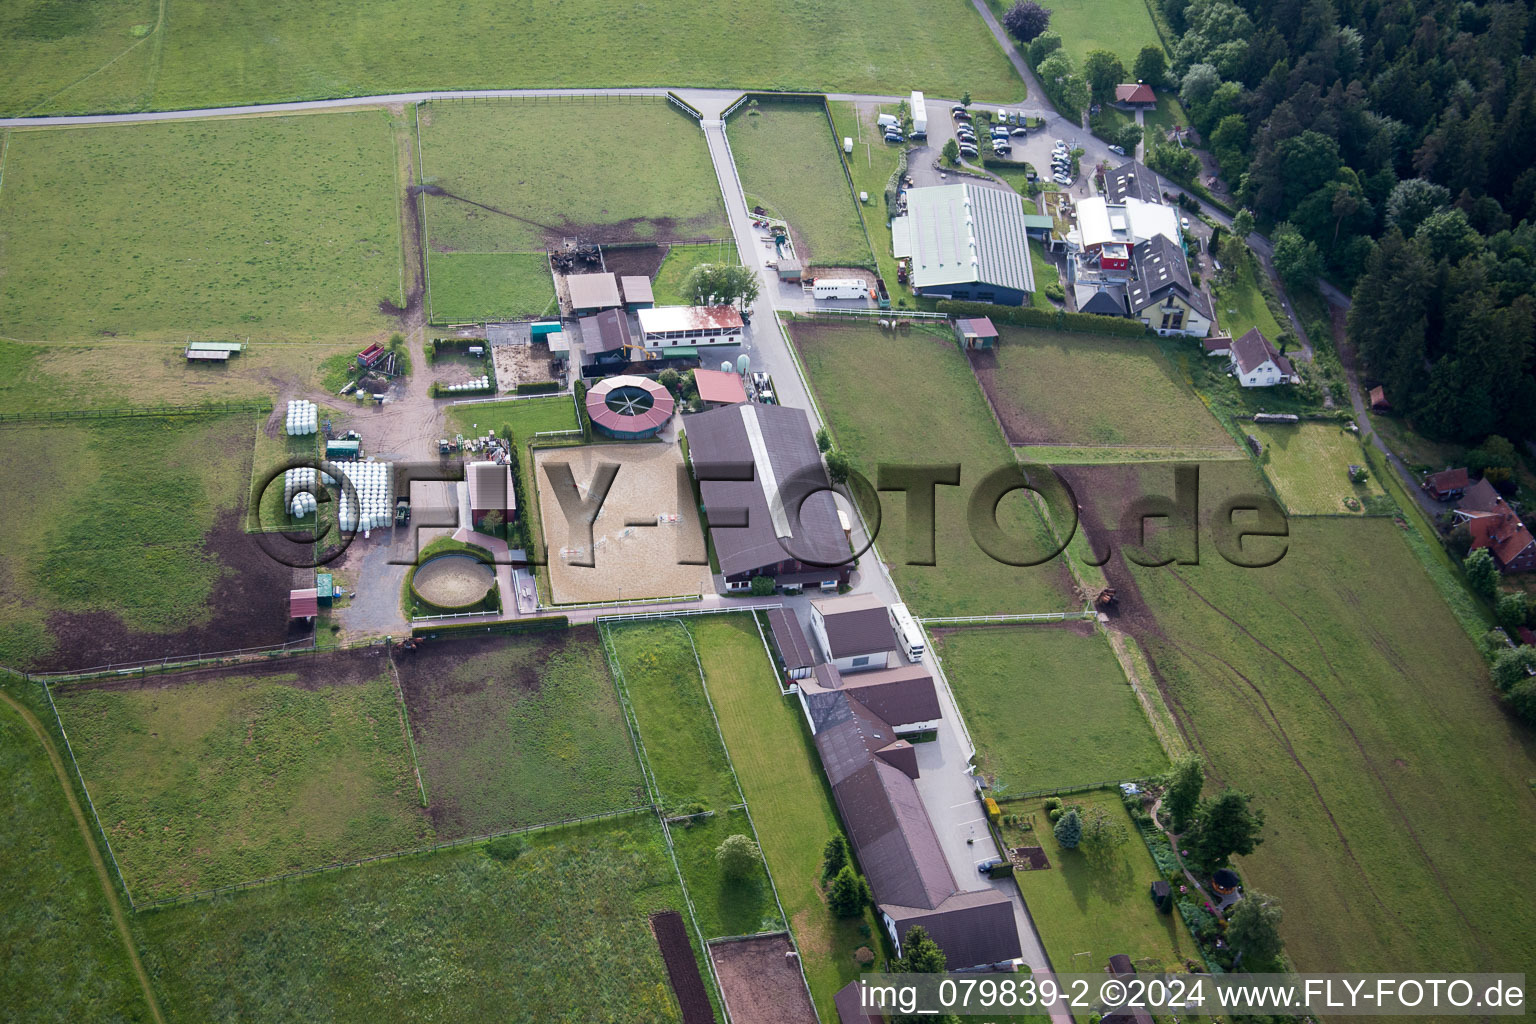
point(628, 407)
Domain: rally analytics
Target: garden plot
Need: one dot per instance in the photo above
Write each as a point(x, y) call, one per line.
point(281, 228)
point(1309, 464)
point(212, 777)
point(761, 982)
point(631, 560)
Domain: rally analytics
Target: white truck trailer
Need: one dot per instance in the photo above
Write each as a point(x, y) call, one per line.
point(839, 288)
point(908, 634)
point(919, 113)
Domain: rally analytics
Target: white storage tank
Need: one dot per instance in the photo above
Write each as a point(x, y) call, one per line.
point(919, 113)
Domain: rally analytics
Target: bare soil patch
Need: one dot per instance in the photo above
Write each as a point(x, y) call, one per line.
point(629, 561)
point(635, 260)
point(521, 364)
point(309, 671)
point(760, 982)
point(682, 969)
point(453, 580)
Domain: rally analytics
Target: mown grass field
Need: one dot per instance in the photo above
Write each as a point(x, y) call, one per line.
point(64, 959)
point(521, 730)
point(471, 286)
point(681, 744)
point(679, 263)
point(1337, 687)
point(535, 163)
point(725, 905)
point(207, 780)
point(1309, 465)
point(1131, 394)
point(911, 399)
point(1122, 27)
point(1098, 902)
point(214, 54)
point(558, 934)
point(871, 165)
point(789, 161)
point(151, 569)
point(1048, 707)
point(787, 792)
point(1240, 305)
point(280, 228)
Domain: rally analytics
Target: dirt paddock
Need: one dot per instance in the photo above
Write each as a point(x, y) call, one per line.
point(760, 983)
point(630, 560)
point(453, 580)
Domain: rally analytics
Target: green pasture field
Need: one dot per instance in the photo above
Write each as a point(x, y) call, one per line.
point(725, 906)
point(911, 399)
point(1309, 464)
point(1122, 27)
point(1337, 688)
point(787, 792)
point(1048, 707)
point(1097, 902)
point(264, 508)
point(203, 780)
point(473, 286)
point(1136, 398)
point(871, 165)
point(789, 160)
point(1089, 455)
point(681, 744)
point(219, 54)
point(534, 161)
point(679, 263)
point(521, 730)
point(272, 228)
point(65, 961)
point(150, 569)
point(557, 934)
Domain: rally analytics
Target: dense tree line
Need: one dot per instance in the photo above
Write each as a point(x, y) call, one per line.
point(1391, 144)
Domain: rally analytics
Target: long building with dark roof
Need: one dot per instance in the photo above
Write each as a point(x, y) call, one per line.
point(1163, 296)
point(755, 465)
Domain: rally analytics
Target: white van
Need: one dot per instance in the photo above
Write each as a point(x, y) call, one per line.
point(888, 121)
point(908, 633)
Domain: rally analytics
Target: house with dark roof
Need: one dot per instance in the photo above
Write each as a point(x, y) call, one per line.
point(767, 497)
point(1100, 298)
point(1494, 525)
point(605, 342)
point(1163, 296)
point(855, 632)
point(1132, 179)
point(490, 490)
point(904, 698)
point(850, 1006)
point(1135, 94)
point(1446, 484)
point(796, 658)
point(966, 242)
point(1258, 364)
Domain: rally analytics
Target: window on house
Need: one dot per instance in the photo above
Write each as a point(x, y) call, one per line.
point(861, 660)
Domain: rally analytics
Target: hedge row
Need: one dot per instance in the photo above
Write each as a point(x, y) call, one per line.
point(541, 624)
point(1051, 319)
point(538, 387)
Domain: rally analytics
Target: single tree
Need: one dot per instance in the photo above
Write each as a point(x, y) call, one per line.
point(491, 522)
point(833, 856)
point(1101, 832)
point(849, 893)
point(671, 380)
point(1182, 796)
point(823, 439)
point(1045, 44)
point(1026, 19)
point(1411, 201)
point(1198, 85)
point(1495, 453)
point(1512, 665)
point(1254, 929)
point(1104, 71)
point(1511, 611)
point(1151, 66)
point(919, 955)
point(951, 152)
point(839, 466)
point(1242, 223)
point(1482, 573)
point(738, 856)
point(763, 586)
point(1297, 260)
point(965, 100)
point(1069, 829)
point(1224, 826)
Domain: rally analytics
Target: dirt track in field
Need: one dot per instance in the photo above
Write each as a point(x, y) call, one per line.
point(310, 672)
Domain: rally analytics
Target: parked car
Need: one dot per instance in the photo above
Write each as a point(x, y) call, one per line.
point(969, 151)
point(1117, 149)
point(1020, 130)
point(985, 867)
point(961, 115)
point(957, 110)
point(1062, 180)
point(895, 137)
point(919, 135)
point(1003, 150)
point(887, 121)
point(1184, 223)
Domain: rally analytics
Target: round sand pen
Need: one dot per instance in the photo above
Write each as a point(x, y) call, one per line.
point(453, 580)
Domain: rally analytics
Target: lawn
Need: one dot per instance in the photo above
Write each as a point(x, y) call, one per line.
point(679, 263)
point(534, 163)
point(788, 795)
point(788, 160)
point(1098, 902)
point(1309, 465)
point(1048, 707)
point(223, 53)
point(1240, 305)
point(1136, 396)
point(281, 228)
point(1339, 690)
point(1122, 27)
point(556, 934)
point(203, 780)
point(468, 287)
point(1167, 115)
point(682, 748)
point(911, 399)
point(871, 165)
point(65, 961)
point(725, 905)
point(165, 486)
point(514, 731)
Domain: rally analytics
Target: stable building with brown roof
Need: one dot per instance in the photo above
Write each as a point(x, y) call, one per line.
point(1446, 484)
point(855, 632)
point(795, 655)
point(904, 698)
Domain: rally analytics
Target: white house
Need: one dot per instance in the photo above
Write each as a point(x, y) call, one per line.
point(855, 633)
point(680, 330)
point(1258, 364)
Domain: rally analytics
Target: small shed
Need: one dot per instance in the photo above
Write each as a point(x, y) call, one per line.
point(637, 292)
point(1379, 401)
point(559, 346)
point(718, 388)
point(790, 270)
point(303, 604)
point(1162, 896)
point(325, 588)
point(1120, 965)
point(976, 333)
point(539, 328)
point(345, 451)
point(591, 293)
